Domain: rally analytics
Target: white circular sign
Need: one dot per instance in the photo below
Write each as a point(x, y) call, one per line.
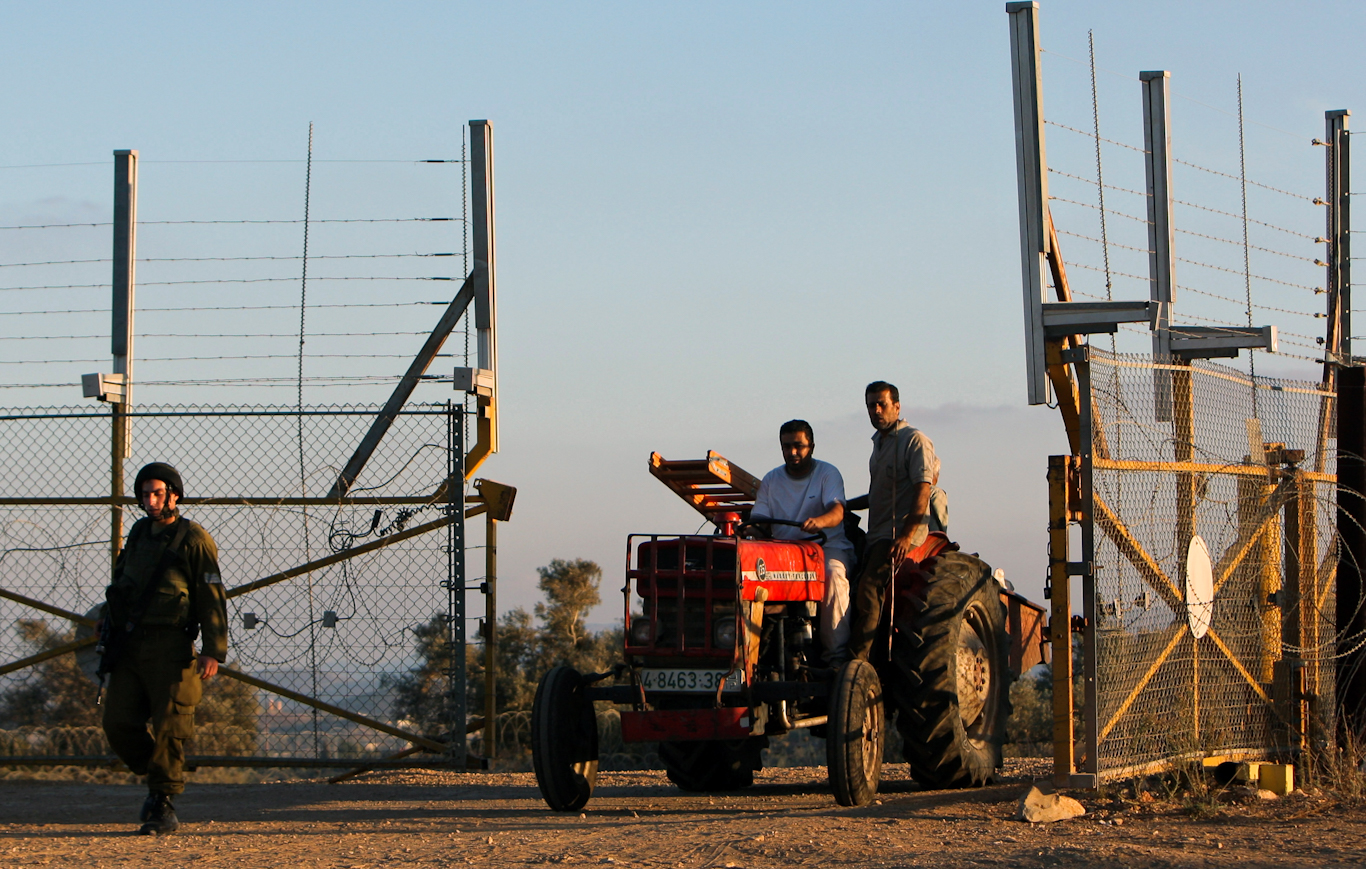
point(1199, 588)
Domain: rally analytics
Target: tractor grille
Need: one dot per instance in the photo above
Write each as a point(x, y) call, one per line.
point(682, 588)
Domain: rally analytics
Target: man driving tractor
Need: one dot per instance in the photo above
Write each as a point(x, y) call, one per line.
point(806, 490)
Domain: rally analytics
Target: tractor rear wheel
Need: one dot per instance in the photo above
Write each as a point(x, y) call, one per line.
point(707, 766)
point(948, 676)
point(854, 736)
point(564, 740)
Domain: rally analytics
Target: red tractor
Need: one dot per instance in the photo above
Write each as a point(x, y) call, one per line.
point(722, 654)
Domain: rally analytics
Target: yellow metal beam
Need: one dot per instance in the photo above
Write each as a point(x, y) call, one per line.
point(1237, 470)
point(46, 607)
point(318, 564)
point(1250, 533)
point(1143, 681)
point(1060, 471)
point(415, 739)
point(1133, 550)
point(1237, 665)
point(45, 655)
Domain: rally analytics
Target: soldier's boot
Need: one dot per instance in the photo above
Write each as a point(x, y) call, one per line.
point(148, 806)
point(161, 820)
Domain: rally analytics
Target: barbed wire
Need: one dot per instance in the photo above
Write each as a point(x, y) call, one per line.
point(146, 162)
point(1250, 182)
point(214, 335)
point(1090, 135)
point(202, 259)
point(1091, 205)
point(1228, 299)
point(1239, 302)
point(219, 358)
point(141, 284)
point(1077, 265)
point(1240, 274)
point(177, 309)
point(328, 380)
point(1308, 259)
point(1093, 183)
point(242, 222)
point(1249, 220)
point(1104, 242)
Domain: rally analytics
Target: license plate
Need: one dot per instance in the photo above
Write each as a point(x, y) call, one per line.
point(689, 681)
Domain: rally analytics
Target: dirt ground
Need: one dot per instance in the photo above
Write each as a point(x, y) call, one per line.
point(787, 819)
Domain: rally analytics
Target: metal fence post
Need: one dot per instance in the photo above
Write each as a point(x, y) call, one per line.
point(1032, 172)
point(455, 583)
point(1157, 141)
point(1337, 345)
point(490, 636)
point(1091, 712)
point(124, 282)
point(1060, 480)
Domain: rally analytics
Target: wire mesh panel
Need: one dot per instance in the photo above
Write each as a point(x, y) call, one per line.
point(1198, 464)
point(348, 634)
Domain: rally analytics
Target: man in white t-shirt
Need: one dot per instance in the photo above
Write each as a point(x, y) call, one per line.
point(806, 490)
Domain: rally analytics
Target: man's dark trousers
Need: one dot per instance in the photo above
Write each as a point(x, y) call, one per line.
point(155, 679)
point(873, 579)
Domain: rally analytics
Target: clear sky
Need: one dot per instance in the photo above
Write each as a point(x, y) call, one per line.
point(712, 217)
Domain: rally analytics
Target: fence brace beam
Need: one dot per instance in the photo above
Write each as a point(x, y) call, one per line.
point(421, 362)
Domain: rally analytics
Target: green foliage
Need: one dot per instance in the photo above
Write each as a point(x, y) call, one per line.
point(59, 697)
point(571, 590)
point(1029, 729)
point(525, 650)
point(56, 692)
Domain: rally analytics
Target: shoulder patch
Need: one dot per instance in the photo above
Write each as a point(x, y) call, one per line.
point(213, 579)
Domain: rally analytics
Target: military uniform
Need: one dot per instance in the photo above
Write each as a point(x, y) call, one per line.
point(155, 677)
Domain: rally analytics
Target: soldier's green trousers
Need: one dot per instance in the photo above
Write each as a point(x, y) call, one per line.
point(154, 681)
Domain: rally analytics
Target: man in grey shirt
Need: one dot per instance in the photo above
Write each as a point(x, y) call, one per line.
point(904, 504)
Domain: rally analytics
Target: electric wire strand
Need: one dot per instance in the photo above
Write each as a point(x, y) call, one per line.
point(203, 259)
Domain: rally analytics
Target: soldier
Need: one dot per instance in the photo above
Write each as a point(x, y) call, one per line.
point(166, 589)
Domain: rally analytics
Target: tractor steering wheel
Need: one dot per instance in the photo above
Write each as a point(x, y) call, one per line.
point(756, 521)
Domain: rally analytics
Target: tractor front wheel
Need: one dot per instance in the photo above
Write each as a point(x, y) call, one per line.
point(564, 740)
point(854, 734)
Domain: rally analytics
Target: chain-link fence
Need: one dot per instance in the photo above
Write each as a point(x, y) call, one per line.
point(1214, 529)
point(332, 656)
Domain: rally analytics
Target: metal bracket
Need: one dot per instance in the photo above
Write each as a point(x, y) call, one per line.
point(1210, 342)
point(105, 387)
point(1080, 318)
point(1080, 568)
point(474, 381)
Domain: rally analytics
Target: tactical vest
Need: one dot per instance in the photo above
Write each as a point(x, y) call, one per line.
point(165, 597)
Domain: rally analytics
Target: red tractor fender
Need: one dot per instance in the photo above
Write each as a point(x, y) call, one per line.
point(916, 570)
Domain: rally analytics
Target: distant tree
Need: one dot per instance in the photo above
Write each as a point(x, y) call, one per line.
point(571, 590)
point(59, 693)
point(526, 649)
point(421, 697)
point(56, 693)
